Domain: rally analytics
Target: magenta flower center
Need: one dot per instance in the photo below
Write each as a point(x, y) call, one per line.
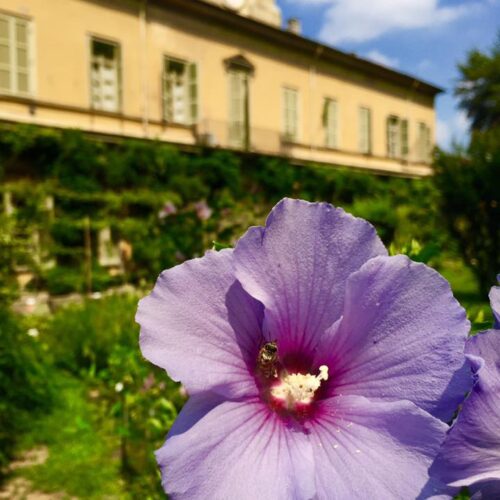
point(298, 389)
point(288, 385)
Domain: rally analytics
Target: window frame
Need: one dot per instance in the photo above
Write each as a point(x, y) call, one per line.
point(331, 141)
point(365, 147)
point(119, 72)
point(424, 142)
point(402, 127)
point(12, 66)
point(293, 137)
point(393, 152)
point(239, 138)
point(192, 106)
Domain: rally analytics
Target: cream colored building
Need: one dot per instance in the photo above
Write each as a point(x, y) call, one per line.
point(216, 73)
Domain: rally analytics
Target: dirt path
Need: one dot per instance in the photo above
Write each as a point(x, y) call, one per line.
point(19, 488)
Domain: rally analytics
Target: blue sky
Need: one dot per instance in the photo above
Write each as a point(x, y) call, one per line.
point(425, 38)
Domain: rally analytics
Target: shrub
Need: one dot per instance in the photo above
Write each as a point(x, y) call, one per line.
point(98, 339)
point(25, 382)
point(125, 184)
point(467, 182)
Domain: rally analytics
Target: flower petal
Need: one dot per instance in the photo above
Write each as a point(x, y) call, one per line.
point(402, 337)
point(486, 490)
point(376, 450)
point(495, 303)
point(202, 327)
point(298, 264)
point(485, 346)
point(237, 450)
point(471, 452)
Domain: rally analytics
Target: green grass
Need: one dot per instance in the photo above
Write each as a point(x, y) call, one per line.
point(466, 290)
point(83, 449)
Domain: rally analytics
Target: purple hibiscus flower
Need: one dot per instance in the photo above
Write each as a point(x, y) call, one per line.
point(168, 209)
point(471, 453)
point(317, 366)
point(203, 211)
point(495, 304)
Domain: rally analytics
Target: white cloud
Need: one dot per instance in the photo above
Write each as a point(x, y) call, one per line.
point(461, 123)
point(456, 129)
point(362, 20)
point(377, 56)
point(443, 134)
point(310, 2)
point(424, 65)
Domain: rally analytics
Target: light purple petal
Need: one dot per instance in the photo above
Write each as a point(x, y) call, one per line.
point(495, 303)
point(202, 327)
point(297, 267)
point(237, 450)
point(374, 450)
point(402, 337)
point(485, 347)
point(471, 452)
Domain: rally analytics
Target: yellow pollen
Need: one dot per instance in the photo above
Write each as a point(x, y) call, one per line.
point(298, 388)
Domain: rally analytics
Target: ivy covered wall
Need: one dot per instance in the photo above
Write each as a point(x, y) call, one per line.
point(91, 214)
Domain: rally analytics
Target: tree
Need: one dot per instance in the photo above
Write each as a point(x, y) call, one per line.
point(479, 88)
point(467, 180)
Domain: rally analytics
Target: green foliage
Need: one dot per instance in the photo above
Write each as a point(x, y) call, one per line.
point(219, 246)
point(98, 341)
point(62, 280)
point(80, 438)
point(25, 382)
point(10, 247)
point(415, 251)
point(81, 338)
point(469, 201)
point(463, 495)
point(125, 185)
point(479, 88)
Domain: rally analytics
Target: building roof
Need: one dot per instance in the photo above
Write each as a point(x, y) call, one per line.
point(291, 41)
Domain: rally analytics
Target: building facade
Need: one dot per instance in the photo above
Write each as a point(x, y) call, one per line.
point(215, 73)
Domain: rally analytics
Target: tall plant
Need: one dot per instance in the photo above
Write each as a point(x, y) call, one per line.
point(467, 180)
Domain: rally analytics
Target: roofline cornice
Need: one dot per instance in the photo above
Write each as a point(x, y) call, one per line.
point(212, 13)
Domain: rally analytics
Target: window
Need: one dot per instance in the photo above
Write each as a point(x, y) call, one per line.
point(330, 122)
point(15, 72)
point(290, 114)
point(365, 130)
point(404, 138)
point(424, 143)
point(180, 92)
point(397, 137)
point(239, 133)
point(105, 76)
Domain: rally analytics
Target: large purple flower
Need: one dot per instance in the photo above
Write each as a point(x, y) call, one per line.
point(318, 367)
point(471, 453)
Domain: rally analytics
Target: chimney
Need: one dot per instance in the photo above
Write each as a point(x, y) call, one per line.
point(293, 25)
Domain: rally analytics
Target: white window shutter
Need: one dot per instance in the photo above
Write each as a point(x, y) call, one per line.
point(105, 76)
point(424, 143)
point(290, 114)
point(237, 108)
point(393, 137)
point(388, 136)
point(5, 58)
point(365, 130)
point(167, 93)
point(14, 55)
point(428, 145)
point(193, 93)
point(404, 138)
point(332, 123)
